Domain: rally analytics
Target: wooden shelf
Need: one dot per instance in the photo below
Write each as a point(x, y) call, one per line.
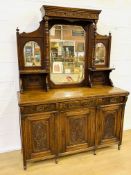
point(101, 69)
point(33, 71)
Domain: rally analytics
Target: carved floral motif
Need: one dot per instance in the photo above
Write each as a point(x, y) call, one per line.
point(72, 14)
point(74, 104)
point(76, 130)
point(109, 126)
point(38, 108)
point(40, 136)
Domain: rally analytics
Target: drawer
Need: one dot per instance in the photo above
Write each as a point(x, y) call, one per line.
point(75, 104)
point(30, 109)
point(111, 100)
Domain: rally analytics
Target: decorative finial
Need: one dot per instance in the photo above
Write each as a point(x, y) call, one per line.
point(17, 30)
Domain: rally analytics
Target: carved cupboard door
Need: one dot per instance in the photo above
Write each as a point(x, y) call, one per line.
point(39, 135)
point(77, 130)
point(109, 124)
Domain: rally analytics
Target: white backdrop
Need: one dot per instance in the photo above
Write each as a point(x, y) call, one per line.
point(25, 14)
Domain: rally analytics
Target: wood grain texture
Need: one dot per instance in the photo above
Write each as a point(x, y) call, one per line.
point(106, 160)
point(54, 95)
point(67, 12)
point(66, 121)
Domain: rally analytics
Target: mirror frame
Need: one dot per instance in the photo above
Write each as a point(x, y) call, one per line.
point(36, 36)
point(106, 40)
point(84, 41)
point(87, 26)
point(25, 56)
point(103, 48)
point(23, 43)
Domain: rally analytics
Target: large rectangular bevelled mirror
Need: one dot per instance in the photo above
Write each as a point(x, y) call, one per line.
point(67, 54)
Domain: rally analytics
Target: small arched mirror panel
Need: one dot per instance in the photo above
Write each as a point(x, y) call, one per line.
point(32, 54)
point(100, 54)
point(67, 54)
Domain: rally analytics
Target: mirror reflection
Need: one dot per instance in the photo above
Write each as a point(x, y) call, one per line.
point(32, 55)
point(67, 49)
point(100, 54)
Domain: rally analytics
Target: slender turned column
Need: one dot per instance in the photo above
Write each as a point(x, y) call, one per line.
point(47, 51)
point(94, 46)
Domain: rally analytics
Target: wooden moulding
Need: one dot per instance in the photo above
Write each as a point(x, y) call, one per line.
point(66, 12)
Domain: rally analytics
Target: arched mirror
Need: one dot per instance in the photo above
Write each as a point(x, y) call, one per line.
point(67, 50)
point(100, 54)
point(32, 54)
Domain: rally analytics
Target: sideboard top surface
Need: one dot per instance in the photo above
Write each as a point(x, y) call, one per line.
point(67, 94)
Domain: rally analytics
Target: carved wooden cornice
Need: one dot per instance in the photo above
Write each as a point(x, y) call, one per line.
point(66, 12)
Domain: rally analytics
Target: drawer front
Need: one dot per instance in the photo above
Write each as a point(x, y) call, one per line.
point(90, 102)
point(75, 104)
point(38, 108)
point(111, 100)
point(72, 104)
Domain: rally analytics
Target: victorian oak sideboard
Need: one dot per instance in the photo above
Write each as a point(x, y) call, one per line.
point(67, 100)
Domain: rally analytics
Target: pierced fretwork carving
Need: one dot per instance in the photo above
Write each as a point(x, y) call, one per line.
point(40, 136)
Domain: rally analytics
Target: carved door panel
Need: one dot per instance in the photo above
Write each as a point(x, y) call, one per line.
point(39, 138)
point(108, 124)
point(77, 129)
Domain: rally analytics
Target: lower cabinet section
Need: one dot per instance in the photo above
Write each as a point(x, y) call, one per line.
point(76, 130)
point(109, 123)
point(53, 134)
point(39, 136)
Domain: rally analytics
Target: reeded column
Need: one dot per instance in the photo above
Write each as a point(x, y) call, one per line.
point(47, 51)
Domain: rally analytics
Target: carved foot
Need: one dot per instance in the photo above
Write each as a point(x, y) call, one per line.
point(94, 151)
point(56, 160)
point(119, 147)
point(25, 167)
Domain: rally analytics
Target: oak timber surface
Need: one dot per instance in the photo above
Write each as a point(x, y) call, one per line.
point(108, 161)
point(68, 93)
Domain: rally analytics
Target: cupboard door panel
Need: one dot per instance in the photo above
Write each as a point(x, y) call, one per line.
point(76, 129)
point(40, 135)
point(108, 124)
point(40, 138)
